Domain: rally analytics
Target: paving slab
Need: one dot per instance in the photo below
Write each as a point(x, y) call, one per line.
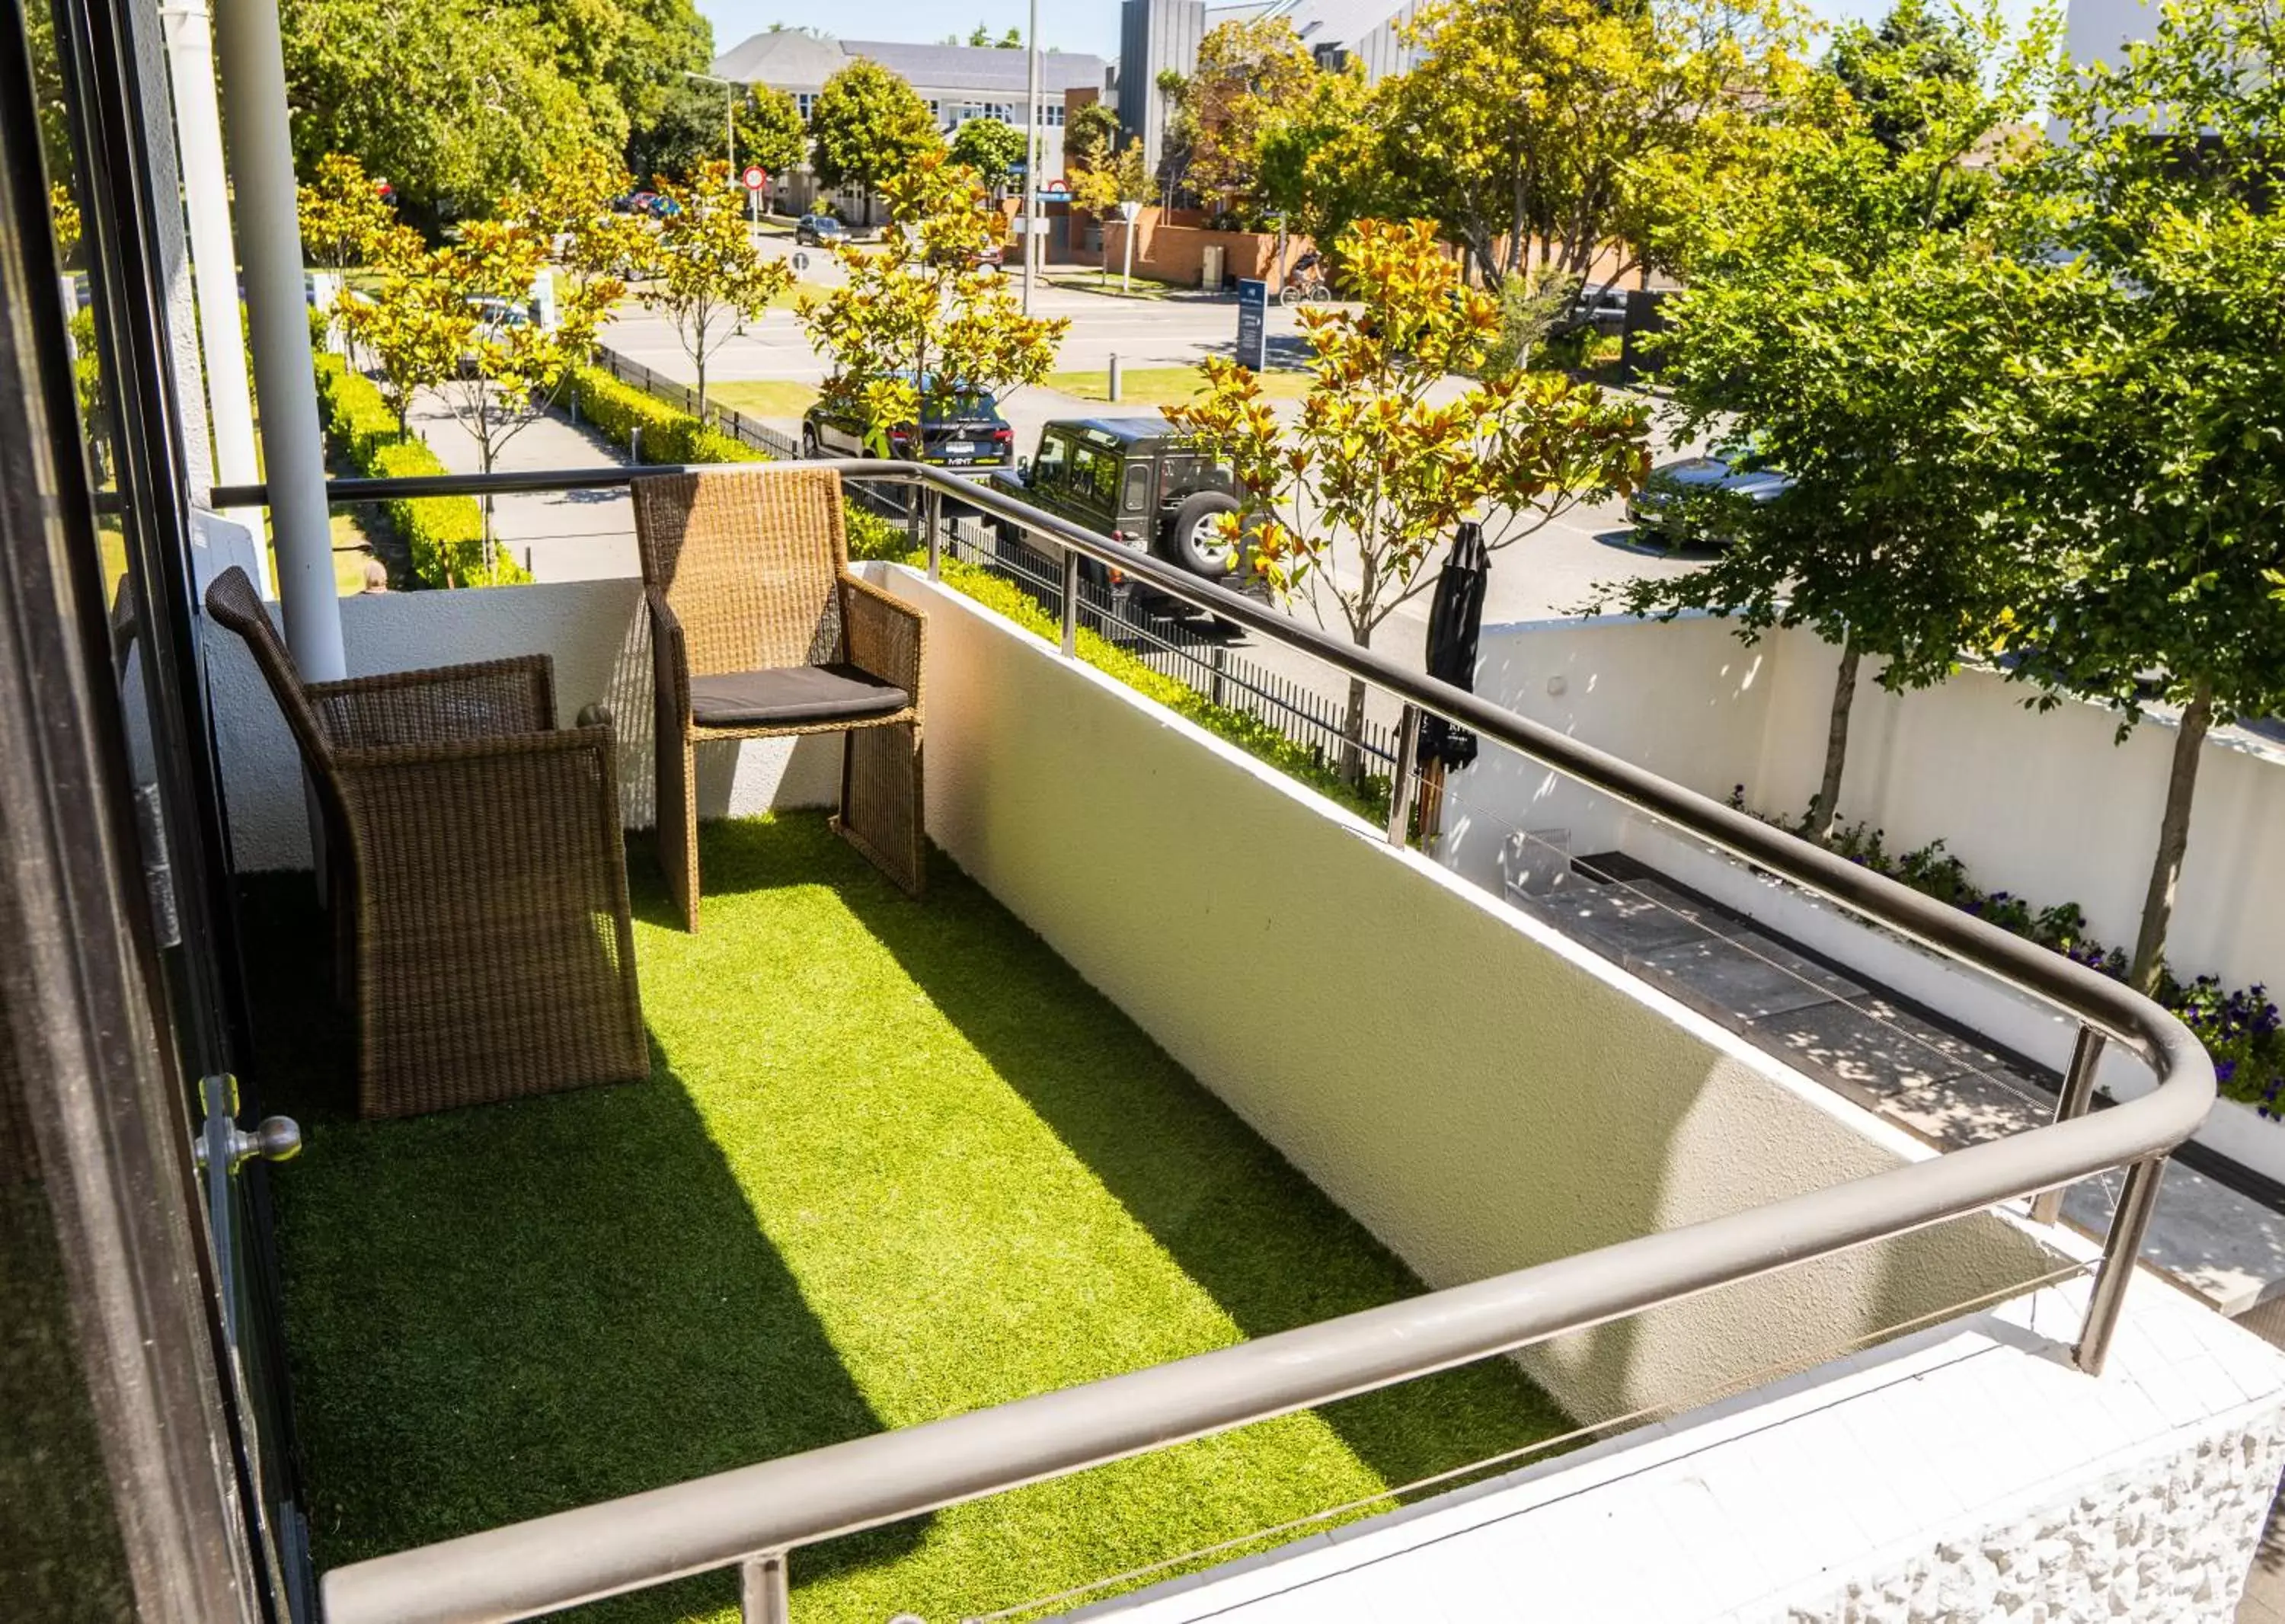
point(2226, 1246)
point(1869, 1044)
point(1741, 978)
point(1612, 920)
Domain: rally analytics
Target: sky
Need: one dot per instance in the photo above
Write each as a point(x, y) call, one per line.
point(1065, 24)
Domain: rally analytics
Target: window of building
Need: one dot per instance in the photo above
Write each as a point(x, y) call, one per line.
point(1053, 115)
point(804, 100)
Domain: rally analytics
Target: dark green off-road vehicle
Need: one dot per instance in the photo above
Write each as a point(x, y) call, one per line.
point(1131, 480)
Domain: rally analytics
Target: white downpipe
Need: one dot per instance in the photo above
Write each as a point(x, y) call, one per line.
point(270, 236)
point(1031, 159)
point(214, 260)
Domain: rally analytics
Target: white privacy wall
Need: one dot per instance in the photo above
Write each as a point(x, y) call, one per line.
point(599, 638)
point(1480, 1093)
point(2041, 803)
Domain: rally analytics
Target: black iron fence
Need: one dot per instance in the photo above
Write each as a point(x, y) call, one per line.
point(682, 398)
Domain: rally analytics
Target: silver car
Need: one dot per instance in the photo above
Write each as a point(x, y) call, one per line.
point(1675, 504)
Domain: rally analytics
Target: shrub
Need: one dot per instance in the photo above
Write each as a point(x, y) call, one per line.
point(669, 434)
point(443, 535)
point(2240, 1028)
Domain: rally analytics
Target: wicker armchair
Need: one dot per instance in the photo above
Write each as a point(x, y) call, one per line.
point(477, 875)
point(758, 630)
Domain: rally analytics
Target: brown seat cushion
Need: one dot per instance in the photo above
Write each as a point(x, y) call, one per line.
point(792, 696)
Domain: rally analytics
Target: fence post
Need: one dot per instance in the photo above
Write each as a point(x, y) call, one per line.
point(763, 1595)
point(635, 444)
point(1400, 776)
point(935, 534)
point(1071, 602)
point(1220, 659)
point(2078, 1093)
point(2120, 1250)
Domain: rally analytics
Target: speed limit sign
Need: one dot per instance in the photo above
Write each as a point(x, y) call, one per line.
point(754, 177)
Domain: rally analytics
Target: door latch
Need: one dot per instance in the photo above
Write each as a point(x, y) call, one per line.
point(274, 1139)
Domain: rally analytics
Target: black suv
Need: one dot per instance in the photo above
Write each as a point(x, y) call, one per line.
point(966, 431)
point(1135, 481)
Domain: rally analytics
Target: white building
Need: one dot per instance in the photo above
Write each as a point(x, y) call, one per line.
point(959, 82)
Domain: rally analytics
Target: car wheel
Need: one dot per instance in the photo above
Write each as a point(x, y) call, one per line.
point(1195, 536)
point(810, 449)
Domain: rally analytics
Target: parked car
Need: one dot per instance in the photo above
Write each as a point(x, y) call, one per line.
point(1683, 501)
point(661, 205)
point(991, 256)
point(825, 230)
point(636, 202)
point(1603, 308)
point(965, 431)
point(1131, 480)
point(495, 318)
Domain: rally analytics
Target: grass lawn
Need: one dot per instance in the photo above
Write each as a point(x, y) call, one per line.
point(780, 397)
point(1094, 282)
point(897, 1161)
point(1167, 386)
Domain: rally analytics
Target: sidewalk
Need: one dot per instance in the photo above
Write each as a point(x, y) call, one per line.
point(564, 535)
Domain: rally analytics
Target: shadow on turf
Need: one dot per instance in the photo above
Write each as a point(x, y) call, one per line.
point(1271, 1249)
point(575, 1300)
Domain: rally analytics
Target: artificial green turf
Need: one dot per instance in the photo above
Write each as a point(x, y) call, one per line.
point(898, 1161)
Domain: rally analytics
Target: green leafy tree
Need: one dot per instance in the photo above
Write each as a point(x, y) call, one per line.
point(2157, 494)
point(1091, 137)
point(507, 367)
point(916, 327)
point(1845, 326)
point(1905, 72)
point(1321, 157)
point(1247, 71)
point(868, 125)
point(686, 132)
point(1385, 459)
point(343, 213)
point(593, 246)
point(989, 147)
point(407, 324)
point(1555, 123)
point(1123, 178)
point(706, 276)
point(773, 132)
point(64, 216)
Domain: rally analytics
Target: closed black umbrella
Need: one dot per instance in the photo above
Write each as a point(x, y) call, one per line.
point(1456, 623)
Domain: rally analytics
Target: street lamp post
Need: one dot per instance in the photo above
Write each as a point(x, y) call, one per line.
point(729, 119)
point(1031, 158)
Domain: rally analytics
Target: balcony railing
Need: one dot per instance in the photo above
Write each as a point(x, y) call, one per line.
point(754, 1516)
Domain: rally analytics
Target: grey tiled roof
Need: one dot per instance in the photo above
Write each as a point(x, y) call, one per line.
point(981, 68)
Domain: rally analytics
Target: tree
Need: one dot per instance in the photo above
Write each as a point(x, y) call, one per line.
point(1091, 137)
point(1246, 70)
point(2157, 490)
point(1321, 161)
point(453, 102)
point(596, 246)
point(506, 368)
point(405, 323)
point(916, 326)
point(1849, 331)
point(1384, 462)
point(773, 133)
point(989, 147)
point(705, 273)
point(868, 125)
point(686, 133)
point(343, 212)
point(1904, 72)
point(1101, 188)
point(1550, 122)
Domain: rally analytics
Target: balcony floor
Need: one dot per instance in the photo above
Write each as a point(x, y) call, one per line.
point(896, 1161)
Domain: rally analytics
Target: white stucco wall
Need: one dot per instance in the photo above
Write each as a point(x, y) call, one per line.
point(2043, 803)
point(1478, 1091)
point(600, 641)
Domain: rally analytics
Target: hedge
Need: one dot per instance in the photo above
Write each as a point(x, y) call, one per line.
point(614, 409)
point(443, 535)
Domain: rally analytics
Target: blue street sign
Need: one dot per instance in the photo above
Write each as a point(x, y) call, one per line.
point(1252, 323)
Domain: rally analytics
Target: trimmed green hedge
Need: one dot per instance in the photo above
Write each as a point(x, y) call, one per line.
point(614, 409)
point(443, 534)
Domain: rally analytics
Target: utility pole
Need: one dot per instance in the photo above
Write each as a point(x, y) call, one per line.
point(729, 110)
point(1031, 161)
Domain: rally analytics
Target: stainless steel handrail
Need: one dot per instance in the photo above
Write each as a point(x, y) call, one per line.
point(754, 1515)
